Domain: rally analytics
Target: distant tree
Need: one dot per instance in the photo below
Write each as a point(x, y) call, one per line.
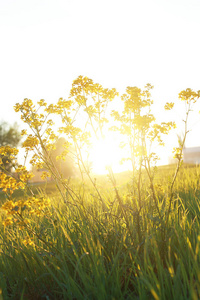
point(9, 136)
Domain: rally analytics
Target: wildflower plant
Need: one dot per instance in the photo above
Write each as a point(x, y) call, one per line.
point(90, 103)
point(138, 126)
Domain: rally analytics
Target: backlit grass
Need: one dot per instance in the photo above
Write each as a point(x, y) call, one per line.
point(86, 251)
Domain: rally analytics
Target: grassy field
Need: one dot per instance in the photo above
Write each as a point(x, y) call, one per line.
point(104, 248)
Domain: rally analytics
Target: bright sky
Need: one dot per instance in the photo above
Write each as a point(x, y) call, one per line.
point(46, 44)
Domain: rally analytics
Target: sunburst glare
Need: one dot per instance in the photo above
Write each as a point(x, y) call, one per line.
point(106, 152)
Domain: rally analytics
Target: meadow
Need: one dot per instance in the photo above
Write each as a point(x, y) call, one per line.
point(130, 235)
point(85, 251)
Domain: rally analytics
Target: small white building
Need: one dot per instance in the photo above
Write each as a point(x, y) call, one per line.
point(191, 155)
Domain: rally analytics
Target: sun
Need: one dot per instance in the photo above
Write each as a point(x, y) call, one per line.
point(105, 153)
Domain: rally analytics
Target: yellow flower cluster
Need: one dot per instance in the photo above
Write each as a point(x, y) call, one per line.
point(7, 150)
point(81, 84)
point(169, 105)
point(135, 99)
point(42, 103)
point(159, 129)
point(64, 104)
point(93, 99)
point(24, 175)
point(26, 105)
point(189, 95)
point(31, 142)
point(9, 183)
point(14, 210)
point(177, 153)
point(31, 116)
point(39, 206)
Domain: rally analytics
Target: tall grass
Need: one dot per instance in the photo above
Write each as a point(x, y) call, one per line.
point(86, 250)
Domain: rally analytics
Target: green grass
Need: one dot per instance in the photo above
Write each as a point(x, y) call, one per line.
point(89, 253)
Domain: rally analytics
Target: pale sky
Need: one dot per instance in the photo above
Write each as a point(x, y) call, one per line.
point(46, 44)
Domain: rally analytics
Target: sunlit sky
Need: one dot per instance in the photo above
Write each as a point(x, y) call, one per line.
point(46, 44)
